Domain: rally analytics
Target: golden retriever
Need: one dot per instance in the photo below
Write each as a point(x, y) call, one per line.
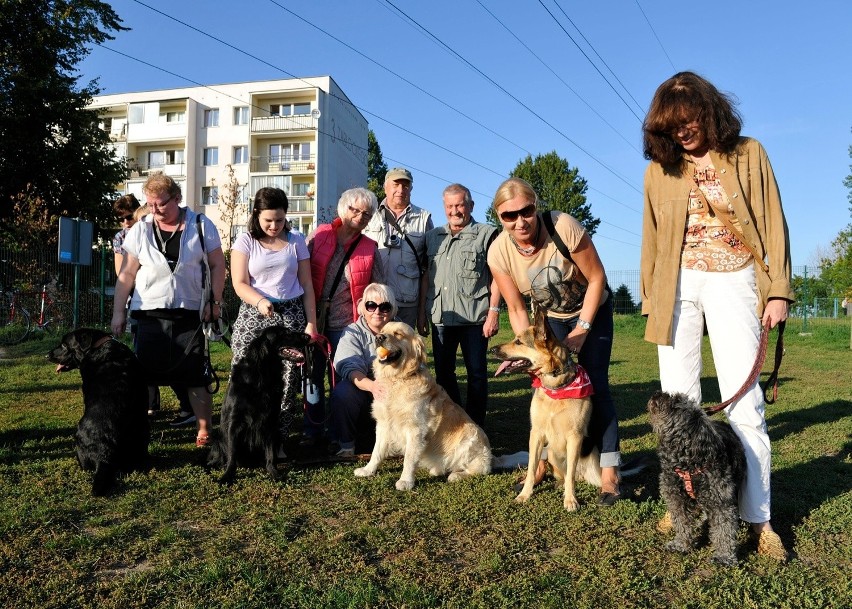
point(560, 423)
point(417, 419)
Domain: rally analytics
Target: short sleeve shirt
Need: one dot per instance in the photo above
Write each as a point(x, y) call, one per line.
point(274, 274)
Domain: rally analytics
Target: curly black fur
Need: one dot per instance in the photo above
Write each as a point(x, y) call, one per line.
point(113, 434)
point(249, 422)
point(713, 456)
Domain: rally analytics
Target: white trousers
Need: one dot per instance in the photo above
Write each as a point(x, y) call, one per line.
point(727, 302)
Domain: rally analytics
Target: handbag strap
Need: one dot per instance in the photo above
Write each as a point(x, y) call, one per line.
point(392, 220)
point(723, 216)
point(340, 270)
point(547, 219)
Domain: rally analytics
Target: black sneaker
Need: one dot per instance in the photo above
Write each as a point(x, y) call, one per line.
point(183, 418)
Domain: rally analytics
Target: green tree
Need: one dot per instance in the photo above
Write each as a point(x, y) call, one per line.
point(376, 166)
point(622, 301)
point(559, 187)
point(836, 269)
point(53, 153)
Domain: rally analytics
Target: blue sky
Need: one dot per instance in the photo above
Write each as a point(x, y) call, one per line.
point(480, 97)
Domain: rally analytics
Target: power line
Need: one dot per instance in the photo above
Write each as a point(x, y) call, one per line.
point(654, 32)
point(513, 97)
point(552, 71)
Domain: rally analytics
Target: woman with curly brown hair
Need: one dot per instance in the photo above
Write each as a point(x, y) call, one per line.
point(712, 216)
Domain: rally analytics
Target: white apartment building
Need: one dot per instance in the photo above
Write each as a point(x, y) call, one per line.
point(302, 135)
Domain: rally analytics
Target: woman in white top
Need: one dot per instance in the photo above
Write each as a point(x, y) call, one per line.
point(271, 272)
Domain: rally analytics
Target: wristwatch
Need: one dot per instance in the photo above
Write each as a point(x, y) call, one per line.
point(584, 324)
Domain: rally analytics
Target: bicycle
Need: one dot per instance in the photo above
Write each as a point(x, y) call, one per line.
point(16, 320)
point(53, 317)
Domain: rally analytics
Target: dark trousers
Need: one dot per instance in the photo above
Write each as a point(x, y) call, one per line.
point(315, 417)
point(446, 341)
point(350, 416)
point(594, 357)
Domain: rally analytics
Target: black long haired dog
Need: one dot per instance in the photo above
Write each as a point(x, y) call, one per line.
point(249, 422)
point(113, 434)
point(702, 467)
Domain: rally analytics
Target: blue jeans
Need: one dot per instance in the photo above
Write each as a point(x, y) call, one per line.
point(474, 346)
point(594, 357)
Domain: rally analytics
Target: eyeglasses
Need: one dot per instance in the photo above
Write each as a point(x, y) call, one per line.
point(360, 212)
point(126, 218)
point(684, 127)
point(162, 204)
point(383, 307)
point(511, 216)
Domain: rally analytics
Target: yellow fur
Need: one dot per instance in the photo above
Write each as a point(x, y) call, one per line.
point(418, 420)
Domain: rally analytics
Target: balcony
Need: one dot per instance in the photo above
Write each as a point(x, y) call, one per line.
point(300, 205)
point(267, 124)
point(141, 171)
point(278, 164)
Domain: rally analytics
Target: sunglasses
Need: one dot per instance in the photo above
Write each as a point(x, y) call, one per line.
point(511, 216)
point(383, 307)
point(126, 218)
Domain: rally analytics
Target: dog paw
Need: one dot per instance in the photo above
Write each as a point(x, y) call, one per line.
point(571, 504)
point(678, 546)
point(522, 498)
point(364, 472)
point(725, 560)
point(404, 485)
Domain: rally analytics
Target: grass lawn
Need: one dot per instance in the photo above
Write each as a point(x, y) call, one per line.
point(322, 538)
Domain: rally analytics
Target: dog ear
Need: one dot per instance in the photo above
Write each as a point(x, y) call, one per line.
point(419, 350)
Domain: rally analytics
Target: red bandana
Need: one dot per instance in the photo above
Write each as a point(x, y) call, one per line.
point(580, 387)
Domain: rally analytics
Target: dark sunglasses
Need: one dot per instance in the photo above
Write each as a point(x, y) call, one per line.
point(126, 218)
point(511, 216)
point(384, 307)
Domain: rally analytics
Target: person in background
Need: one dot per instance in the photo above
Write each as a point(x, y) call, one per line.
point(356, 388)
point(712, 215)
point(271, 273)
point(524, 259)
point(328, 246)
point(128, 212)
point(402, 251)
point(163, 260)
point(460, 299)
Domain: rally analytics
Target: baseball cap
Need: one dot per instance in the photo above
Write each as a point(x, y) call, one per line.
point(398, 173)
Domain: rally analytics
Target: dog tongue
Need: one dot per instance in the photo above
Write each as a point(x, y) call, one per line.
point(502, 367)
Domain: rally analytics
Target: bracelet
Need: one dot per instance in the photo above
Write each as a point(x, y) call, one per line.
point(260, 301)
point(217, 303)
point(495, 309)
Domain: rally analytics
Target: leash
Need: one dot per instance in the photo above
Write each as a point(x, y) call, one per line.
point(308, 388)
point(756, 368)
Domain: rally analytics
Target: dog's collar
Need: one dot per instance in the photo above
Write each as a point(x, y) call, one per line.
point(101, 342)
point(687, 476)
point(579, 387)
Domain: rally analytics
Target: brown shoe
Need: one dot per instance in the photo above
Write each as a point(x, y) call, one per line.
point(769, 544)
point(665, 525)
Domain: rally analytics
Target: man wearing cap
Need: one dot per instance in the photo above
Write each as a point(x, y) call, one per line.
point(460, 299)
point(400, 230)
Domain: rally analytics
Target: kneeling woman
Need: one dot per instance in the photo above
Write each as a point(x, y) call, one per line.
point(353, 362)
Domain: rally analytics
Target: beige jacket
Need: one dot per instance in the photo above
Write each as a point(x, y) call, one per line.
point(750, 184)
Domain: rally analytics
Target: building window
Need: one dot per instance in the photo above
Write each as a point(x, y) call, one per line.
point(209, 195)
point(240, 155)
point(156, 158)
point(211, 117)
point(211, 156)
point(284, 153)
point(174, 157)
point(241, 115)
point(289, 109)
point(300, 189)
point(175, 117)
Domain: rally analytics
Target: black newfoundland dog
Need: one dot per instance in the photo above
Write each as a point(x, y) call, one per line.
point(113, 434)
point(249, 425)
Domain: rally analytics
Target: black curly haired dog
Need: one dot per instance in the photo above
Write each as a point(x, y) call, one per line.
point(702, 467)
point(113, 434)
point(249, 421)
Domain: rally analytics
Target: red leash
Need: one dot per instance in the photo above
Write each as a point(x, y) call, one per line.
point(756, 368)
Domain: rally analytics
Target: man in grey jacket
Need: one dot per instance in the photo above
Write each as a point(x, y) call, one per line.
point(460, 299)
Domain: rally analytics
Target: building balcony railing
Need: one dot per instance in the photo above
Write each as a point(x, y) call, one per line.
point(299, 122)
point(300, 205)
point(277, 164)
point(141, 171)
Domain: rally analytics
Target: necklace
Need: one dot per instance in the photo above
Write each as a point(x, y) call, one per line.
point(165, 242)
point(530, 250)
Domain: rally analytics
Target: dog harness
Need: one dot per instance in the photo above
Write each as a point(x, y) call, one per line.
point(686, 476)
point(579, 387)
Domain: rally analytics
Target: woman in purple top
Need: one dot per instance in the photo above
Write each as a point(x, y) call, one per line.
point(271, 272)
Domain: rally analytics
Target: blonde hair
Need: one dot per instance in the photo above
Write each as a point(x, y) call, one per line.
point(378, 291)
point(159, 184)
point(141, 212)
point(512, 188)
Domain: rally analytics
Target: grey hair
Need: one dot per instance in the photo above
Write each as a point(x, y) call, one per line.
point(459, 189)
point(355, 195)
point(378, 291)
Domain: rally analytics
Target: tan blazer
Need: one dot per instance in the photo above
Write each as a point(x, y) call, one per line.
point(750, 184)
